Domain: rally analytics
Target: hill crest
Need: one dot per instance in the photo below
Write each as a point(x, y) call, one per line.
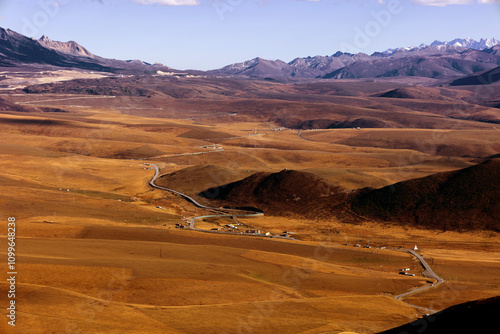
point(282, 193)
point(465, 199)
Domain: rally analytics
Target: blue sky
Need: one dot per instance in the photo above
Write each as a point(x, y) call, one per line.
point(208, 34)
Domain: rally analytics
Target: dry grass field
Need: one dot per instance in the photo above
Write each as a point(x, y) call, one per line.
point(98, 251)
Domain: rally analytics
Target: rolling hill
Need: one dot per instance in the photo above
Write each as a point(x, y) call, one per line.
point(466, 199)
point(420, 93)
point(192, 180)
point(284, 193)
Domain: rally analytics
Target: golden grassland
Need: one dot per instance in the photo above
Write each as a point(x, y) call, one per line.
point(96, 254)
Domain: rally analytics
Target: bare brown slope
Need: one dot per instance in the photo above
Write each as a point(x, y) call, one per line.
point(466, 199)
point(478, 316)
point(139, 152)
point(283, 193)
point(421, 93)
point(9, 106)
point(475, 144)
point(194, 179)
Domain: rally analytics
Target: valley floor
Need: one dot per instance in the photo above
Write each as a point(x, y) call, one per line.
point(98, 251)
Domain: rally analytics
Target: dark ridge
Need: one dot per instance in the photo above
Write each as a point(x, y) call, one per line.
point(421, 93)
point(479, 316)
point(140, 152)
point(483, 78)
point(103, 86)
point(51, 109)
point(479, 160)
point(326, 123)
point(461, 200)
point(32, 121)
point(283, 193)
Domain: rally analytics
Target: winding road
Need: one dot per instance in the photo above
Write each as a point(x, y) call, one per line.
point(245, 213)
point(222, 212)
point(428, 273)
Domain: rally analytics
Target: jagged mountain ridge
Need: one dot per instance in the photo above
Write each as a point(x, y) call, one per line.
point(70, 47)
point(439, 60)
point(19, 50)
point(16, 49)
point(483, 43)
point(467, 43)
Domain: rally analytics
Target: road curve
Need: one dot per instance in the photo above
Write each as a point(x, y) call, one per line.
point(243, 213)
point(192, 200)
point(428, 273)
point(223, 212)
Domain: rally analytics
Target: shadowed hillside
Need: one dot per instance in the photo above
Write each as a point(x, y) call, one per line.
point(194, 179)
point(483, 78)
point(478, 316)
point(281, 193)
point(421, 93)
point(466, 199)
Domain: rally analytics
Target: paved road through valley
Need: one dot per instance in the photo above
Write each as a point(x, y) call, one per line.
point(222, 212)
point(429, 273)
point(245, 213)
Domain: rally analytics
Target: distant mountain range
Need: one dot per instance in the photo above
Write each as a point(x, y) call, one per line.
point(440, 60)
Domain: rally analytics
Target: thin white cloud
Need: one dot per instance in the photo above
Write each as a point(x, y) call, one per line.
point(488, 1)
point(168, 2)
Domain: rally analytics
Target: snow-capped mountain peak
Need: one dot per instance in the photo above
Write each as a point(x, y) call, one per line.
point(466, 43)
point(469, 43)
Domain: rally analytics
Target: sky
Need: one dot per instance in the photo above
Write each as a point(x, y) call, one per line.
point(209, 34)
